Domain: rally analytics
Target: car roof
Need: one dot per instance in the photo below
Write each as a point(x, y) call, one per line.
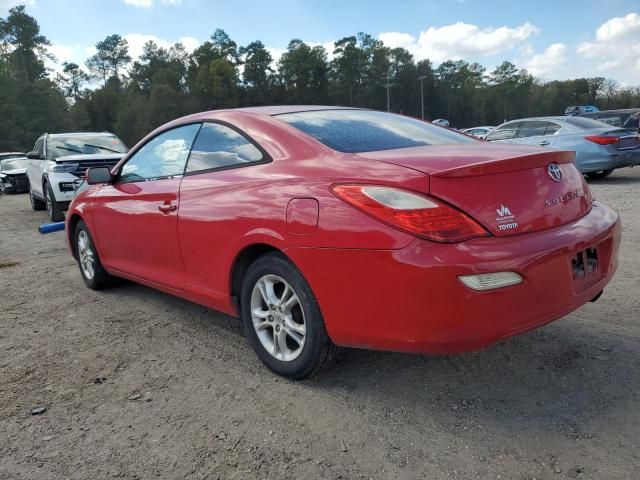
point(11, 153)
point(552, 118)
point(80, 134)
point(282, 109)
point(266, 111)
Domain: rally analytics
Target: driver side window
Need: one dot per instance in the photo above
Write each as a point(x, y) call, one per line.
point(163, 156)
point(504, 132)
point(39, 147)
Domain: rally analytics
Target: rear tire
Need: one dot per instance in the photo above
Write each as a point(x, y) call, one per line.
point(282, 319)
point(599, 174)
point(53, 208)
point(36, 203)
point(91, 269)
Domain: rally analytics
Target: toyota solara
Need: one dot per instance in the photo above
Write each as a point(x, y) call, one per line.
point(324, 227)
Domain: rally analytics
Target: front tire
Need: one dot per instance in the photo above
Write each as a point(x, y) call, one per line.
point(598, 175)
point(36, 203)
point(282, 319)
point(91, 269)
point(53, 208)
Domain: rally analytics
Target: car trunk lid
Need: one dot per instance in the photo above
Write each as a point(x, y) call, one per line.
point(508, 189)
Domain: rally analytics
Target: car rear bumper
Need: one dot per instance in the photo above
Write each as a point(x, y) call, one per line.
point(612, 162)
point(412, 300)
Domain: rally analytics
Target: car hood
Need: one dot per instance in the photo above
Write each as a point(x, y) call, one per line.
point(89, 157)
point(14, 171)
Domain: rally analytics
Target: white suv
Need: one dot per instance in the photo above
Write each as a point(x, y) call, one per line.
point(57, 164)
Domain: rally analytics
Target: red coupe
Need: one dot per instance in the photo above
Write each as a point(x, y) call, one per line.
point(323, 227)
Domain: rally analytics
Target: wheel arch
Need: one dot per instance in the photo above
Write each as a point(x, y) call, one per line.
point(241, 264)
point(45, 181)
point(71, 229)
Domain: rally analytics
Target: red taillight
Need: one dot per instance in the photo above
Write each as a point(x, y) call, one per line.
point(602, 140)
point(416, 214)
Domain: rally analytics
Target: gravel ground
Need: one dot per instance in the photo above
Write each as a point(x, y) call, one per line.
point(138, 384)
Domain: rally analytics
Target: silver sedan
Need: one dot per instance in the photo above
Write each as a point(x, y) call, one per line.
point(600, 148)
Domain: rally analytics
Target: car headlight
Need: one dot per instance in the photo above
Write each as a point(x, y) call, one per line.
point(65, 167)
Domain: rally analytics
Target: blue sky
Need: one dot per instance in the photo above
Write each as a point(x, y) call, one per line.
point(553, 39)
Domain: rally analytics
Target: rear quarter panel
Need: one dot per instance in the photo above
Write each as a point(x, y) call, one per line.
point(221, 213)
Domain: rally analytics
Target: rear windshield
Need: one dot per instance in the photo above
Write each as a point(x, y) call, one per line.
point(59, 146)
point(585, 123)
point(355, 131)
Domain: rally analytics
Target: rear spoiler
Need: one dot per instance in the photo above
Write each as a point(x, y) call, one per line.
point(510, 164)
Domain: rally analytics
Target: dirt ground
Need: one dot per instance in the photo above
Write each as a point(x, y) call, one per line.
point(138, 384)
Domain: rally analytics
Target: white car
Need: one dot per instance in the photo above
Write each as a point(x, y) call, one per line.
point(441, 122)
point(479, 132)
point(57, 164)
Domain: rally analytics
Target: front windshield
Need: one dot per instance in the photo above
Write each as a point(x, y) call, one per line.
point(59, 146)
point(6, 165)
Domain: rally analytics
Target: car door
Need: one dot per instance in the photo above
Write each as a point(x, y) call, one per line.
point(214, 201)
point(35, 168)
point(135, 217)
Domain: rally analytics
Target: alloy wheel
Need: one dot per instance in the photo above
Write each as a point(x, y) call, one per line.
point(85, 255)
point(278, 318)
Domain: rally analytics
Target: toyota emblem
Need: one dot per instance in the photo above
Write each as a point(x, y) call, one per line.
point(554, 172)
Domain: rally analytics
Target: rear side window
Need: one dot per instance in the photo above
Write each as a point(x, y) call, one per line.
point(504, 132)
point(218, 146)
point(355, 131)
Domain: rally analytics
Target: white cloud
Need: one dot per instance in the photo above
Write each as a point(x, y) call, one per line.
point(460, 41)
point(616, 49)
point(549, 63)
point(328, 46)
point(80, 53)
point(276, 53)
point(136, 43)
point(149, 3)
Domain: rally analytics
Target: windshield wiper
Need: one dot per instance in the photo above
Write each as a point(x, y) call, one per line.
point(69, 149)
point(103, 148)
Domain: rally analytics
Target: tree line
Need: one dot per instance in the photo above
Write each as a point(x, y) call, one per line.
point(113, 92)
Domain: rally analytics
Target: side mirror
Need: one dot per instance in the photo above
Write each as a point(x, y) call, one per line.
point(33, 155)
point(96, 175)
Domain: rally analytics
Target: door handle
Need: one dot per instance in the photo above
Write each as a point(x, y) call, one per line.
point(545, 142)
point(167, 208)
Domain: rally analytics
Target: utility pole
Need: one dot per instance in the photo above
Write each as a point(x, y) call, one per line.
point(388, 85)
point(421, 78)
